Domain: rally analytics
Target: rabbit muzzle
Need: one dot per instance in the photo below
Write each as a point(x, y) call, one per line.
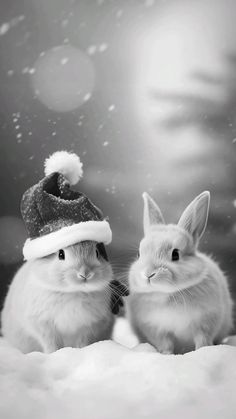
point(161, 274)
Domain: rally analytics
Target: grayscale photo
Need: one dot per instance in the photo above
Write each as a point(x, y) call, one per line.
point(118, 209)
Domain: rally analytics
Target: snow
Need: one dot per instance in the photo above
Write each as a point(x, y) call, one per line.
point(119, 13)
point(149, 3)
point(87, 97)
point(28, 70)
point(91, 49)
point(64, 23)
point(103, 47)
point(107, 380)
point(10, 73)
point(6, 26)
point(64, 60)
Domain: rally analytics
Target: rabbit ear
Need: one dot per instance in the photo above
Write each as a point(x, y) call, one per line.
point(194, 218)
point(152, 213)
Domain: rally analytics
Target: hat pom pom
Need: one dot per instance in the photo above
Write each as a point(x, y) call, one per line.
point(68, 164)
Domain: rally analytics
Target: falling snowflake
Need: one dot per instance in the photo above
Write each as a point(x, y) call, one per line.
point(87, 97)
point(113, 189)
point(64, 23)
point(28, 70)
point(105, 143)
point(5, 27)
point(103, 47)
point(91, 49)
point(16, 116)
point(149, 3)
point(111, 108)
point(10, 73)
point(119, 13)
point(64, 60)
point(25, 70)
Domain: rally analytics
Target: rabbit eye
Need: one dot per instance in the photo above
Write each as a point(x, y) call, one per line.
point(61, 254)
point(97, 253)
point(175, 254)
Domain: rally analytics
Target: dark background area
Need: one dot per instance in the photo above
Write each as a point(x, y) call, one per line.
point(143, 91)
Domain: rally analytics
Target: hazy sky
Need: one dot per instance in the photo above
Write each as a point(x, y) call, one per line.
point(100, 78)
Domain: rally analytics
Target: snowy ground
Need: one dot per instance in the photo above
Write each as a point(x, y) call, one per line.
point(109, 381)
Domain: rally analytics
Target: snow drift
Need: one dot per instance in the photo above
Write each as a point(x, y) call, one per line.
point(107, 380)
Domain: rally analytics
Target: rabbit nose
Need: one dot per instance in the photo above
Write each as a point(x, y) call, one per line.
point(82, 277)
point(151, 275)
point(85, 276)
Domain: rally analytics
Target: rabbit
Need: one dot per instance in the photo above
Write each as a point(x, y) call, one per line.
point(179, 297)
point(60, 300)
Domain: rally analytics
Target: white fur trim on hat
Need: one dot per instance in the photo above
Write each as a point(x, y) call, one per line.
point(98, 231)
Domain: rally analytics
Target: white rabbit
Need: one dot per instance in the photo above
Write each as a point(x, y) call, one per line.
point(60, 300)
point(179, 298)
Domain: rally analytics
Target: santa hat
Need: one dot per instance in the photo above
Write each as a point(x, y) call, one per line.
point(56, 216)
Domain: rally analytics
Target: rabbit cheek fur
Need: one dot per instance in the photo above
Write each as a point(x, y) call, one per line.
point(179, 305)
point(49, 305)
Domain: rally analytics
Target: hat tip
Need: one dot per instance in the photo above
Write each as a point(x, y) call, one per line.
point(66, 163)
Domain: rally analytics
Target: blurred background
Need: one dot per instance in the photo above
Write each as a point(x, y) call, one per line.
point(143, 90)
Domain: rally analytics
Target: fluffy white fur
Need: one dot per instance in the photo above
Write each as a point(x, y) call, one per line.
point(98, 231)
point(68, 164)
point(177, 305)
point(54, 303)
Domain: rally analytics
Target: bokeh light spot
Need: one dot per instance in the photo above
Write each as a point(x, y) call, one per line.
point(63, 77)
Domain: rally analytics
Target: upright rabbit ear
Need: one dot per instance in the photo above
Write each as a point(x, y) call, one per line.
point(194, 218)
point(152, 213)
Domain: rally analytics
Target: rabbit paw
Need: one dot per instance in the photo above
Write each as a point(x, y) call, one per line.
point(118, 291)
